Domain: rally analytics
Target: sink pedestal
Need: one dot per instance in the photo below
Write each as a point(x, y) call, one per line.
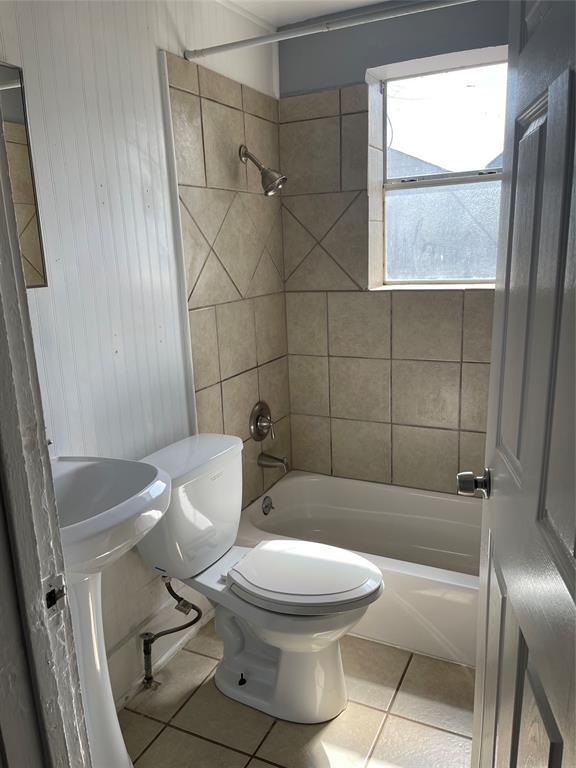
point(107, 746)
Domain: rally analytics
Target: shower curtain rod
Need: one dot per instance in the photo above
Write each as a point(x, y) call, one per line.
point(342, 22)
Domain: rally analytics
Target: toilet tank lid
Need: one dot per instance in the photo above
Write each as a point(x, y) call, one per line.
point(188, 457)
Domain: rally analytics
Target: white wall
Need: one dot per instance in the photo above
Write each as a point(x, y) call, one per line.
point(108, 330)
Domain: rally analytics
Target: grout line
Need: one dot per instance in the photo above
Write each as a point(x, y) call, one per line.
point(323, 117)
point(433, 727)
point(275, 720)
point(201, 653)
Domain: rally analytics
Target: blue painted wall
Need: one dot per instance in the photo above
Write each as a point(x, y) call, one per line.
point(342, 58)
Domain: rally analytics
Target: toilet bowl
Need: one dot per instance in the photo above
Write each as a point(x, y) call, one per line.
point(281, 607)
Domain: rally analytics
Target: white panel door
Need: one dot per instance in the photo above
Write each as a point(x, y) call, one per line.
point(525, 711)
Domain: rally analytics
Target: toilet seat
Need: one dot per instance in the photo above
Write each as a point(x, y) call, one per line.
point(304, 578)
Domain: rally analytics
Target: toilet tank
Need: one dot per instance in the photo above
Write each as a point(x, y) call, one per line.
point(201, 523)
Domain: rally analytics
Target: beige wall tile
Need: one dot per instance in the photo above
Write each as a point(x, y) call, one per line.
point(204, 347)
point(239, 396)
point(475, 379)
point(188, 145)
point(427, 325)
point(270, 327)
point(361, 450)
point(347, 241)
point(309, 385)
point(472, 452)
point(309, 105)
point(223, 134)
point(355, 151)
point(236, 337)
point(239, 245)
point(478, 312)
point(281, 447)
point(425, 393)
point(261, 140)
point(311, 443)
point(195, 246)
point(320, 272)
point(182, 74)
point(259, 104)
point(318, 213)
point(360, 388)
point(354, 98)
point(213, 285)
point(406, 744)
point(344, 742)
point(209, 410)
point(266, 278)
point(437, 693)
point(208, 208)
point(20, 173)
point(298, 242)
point(425, 458)
point(307, 318)
point(252, 478)
point(273, 387)
point(15, 132)
point(219, 88)
point(274, 243)
point(310, 155)
point(359, 324)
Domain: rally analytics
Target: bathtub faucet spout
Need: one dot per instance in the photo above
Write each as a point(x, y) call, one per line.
point(268, 461)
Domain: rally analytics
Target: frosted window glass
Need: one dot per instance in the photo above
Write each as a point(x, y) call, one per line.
point(446, 122)
point(442, 233)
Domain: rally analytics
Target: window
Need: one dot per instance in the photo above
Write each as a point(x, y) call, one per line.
point(444, 138)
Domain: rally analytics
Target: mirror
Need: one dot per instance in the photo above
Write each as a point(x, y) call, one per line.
point(15, 134)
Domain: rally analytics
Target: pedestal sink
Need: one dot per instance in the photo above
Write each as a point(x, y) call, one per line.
point(105, 507)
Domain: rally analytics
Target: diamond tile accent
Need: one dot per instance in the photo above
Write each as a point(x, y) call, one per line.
point(208, 207)
point(213, 286)
point(319, 212)
point(266, 278)
point(297, 242)
point(318, 272)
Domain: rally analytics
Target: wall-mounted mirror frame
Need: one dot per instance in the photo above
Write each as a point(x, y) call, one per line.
point(14, 126)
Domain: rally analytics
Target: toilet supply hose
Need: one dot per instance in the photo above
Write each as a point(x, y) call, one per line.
point(149, 638)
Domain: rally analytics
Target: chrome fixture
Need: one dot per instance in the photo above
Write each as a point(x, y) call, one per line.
point(261, 422)
point(469, 484)
point(267, 461)
point(272, 181)
point(327, 24)
point(267, 505)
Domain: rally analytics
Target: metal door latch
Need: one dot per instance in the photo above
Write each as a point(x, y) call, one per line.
point(469, 484)
point(55, 593)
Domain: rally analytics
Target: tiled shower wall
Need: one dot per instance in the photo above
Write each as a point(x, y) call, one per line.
point(232, 238)
point(387, 386)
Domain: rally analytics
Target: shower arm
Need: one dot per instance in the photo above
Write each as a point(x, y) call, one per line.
point(246, 155)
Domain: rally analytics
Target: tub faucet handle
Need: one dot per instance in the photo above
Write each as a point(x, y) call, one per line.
point(260, 422)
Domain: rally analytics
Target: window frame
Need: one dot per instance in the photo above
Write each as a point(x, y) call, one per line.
point(472, 59)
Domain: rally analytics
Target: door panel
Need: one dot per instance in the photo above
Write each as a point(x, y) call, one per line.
point(525, 713)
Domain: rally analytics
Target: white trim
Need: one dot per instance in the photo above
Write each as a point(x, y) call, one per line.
point(477, 57)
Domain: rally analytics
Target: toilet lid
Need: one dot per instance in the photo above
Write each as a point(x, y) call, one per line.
point(293, 576)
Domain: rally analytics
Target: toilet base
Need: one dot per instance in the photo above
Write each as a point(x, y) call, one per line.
point(300, 686)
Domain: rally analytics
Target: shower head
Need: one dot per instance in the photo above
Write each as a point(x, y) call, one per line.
point(272, 181)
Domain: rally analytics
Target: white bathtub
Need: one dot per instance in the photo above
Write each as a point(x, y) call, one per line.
point(426, 545)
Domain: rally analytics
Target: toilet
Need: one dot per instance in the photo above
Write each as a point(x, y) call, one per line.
point(281, 607)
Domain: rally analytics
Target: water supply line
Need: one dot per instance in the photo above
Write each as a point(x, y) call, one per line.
point(330, 24)
point(149, 638)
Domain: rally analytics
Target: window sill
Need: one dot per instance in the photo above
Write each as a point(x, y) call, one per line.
point(435, 287)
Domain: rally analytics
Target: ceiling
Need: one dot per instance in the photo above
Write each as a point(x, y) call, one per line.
point(277, 13)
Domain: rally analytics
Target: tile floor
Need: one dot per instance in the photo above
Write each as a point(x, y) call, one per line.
point(405, 711)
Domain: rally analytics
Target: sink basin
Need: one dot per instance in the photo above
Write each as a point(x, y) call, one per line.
point(105, 506)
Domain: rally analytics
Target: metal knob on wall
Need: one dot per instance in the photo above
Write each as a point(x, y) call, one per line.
point(261, 422)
